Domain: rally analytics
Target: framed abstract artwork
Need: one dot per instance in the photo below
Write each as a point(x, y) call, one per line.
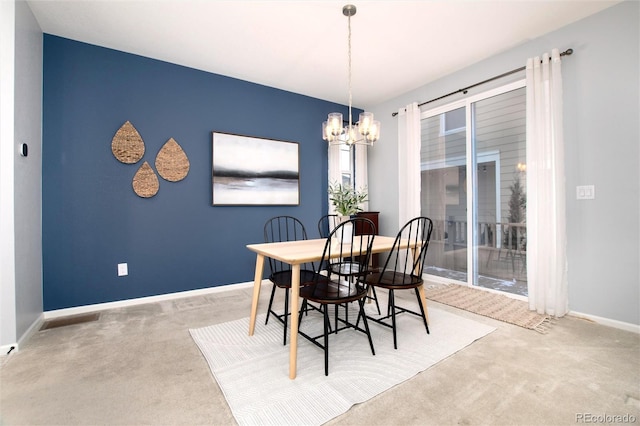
point(250, 171)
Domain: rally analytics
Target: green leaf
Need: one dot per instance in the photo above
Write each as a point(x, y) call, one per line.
point(346, 199)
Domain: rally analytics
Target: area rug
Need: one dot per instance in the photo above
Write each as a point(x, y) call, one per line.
point(253, 372)
point(488, 304)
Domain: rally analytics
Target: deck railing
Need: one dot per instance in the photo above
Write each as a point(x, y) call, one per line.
point(497, 235)
point(501, 251)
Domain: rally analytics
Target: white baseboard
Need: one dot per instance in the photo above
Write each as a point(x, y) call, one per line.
point(170, 296)
point(141, 300)
point(626, 326)
point(118, 304)
point(15, 347)
point(35, 326)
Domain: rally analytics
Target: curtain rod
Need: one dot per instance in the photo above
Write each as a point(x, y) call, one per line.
point(464, 90)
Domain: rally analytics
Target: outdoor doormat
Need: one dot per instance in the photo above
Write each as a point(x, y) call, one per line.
point(488, 304)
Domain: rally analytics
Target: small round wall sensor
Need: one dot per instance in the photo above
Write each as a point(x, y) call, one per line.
point(24, 149)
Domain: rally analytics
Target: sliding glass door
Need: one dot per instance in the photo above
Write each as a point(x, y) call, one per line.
point(473, 187)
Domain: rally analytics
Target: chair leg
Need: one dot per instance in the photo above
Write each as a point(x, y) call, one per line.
point(273, 292)
point(326, 340)
point(302, 309)
point(286, 314)
point(346, 313)
point(392, 305)
point(358, 319)
point(424, 317)
point(375, 297)
point(366, 325)
point(322, 309)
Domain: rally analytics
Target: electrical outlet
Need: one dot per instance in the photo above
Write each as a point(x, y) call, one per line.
point(123, 269)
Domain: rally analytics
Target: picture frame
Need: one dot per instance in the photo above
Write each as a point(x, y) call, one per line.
point(253, 171)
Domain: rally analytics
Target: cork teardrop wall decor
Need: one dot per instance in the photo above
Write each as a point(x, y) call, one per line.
point(127, 144)
point(172, 162)
point(145, 181)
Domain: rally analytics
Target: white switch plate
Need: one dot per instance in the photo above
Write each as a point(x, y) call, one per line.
point(123, 269)
point(585, 192)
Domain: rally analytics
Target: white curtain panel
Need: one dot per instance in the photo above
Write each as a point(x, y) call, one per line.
point(546, 221)
point(408, 163)
point(361, 176)
point(335, 175)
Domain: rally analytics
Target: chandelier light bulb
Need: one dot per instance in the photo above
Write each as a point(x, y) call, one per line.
point(374, 132)
point(365, 122)
point(335, 123)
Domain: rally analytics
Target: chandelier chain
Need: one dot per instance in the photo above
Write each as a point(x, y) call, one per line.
point(349, 53)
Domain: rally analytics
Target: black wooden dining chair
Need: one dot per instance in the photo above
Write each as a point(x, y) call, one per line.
point(402, 270)
point(326, 224)
point(339, 281)
point(329, 221)
point(279, 229)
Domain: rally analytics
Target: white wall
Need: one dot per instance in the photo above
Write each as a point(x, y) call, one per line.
point(7, 265)
point(602, 137)
point(28, 170)
point(20, 177)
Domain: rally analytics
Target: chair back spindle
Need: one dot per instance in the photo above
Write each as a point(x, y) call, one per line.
point(281, 229)
point(402, 270)
point(408, 262)
point(326, 224)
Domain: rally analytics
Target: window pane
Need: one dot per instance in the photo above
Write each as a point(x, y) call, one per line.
point(346, 164)
point(500, 143)
point(454, 121)
point(443, 195)
point(491, 231)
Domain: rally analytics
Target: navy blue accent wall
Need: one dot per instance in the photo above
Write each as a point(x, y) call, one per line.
point(175, 241)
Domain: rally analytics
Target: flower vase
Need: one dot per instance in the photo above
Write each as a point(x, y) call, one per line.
point(345, 235)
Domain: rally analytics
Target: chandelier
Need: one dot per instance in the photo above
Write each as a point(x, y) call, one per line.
point(367, 130)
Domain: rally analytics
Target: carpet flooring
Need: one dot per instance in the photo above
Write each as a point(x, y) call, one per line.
point(138, 365)
point(252, 371)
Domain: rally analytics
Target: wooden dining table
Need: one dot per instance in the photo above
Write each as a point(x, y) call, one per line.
point(296, 253)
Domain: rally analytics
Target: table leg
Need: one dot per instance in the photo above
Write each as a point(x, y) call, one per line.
point(295, 301)
point(257, 283)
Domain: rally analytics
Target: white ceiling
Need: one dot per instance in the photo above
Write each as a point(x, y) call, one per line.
point(301, 46)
